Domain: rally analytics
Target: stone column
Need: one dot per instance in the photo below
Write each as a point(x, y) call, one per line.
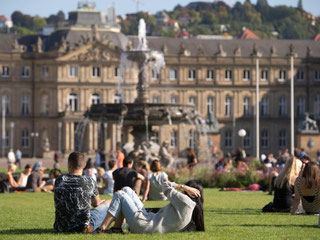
point(67, 137)
point(72, 136)
point(90, 139)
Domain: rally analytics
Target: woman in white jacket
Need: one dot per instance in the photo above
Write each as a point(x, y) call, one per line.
point(183, 213)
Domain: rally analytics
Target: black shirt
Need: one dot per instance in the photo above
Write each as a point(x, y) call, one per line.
point(72, 199)
point(123, 177)
point(283, 197)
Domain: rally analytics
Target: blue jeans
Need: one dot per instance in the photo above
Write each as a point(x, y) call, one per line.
point(97, 215)
point(126, 202)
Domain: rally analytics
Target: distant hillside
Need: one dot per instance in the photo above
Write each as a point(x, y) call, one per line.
point(215, 18)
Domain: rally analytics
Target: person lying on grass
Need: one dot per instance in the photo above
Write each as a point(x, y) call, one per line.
point(183, 213)
point(73, 196)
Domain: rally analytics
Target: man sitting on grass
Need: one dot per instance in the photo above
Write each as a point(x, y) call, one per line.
point(73, 196)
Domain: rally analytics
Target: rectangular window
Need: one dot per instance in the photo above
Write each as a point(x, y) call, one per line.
point(25, 139)
point(264, 139)
point(116, 72)
point(316, 107)
point(174, 138)
point(155, 137)
point(210, 106)
point(282, 107)
point(300, 107)
point(282, 75)
point(6, 101)
point(210, 75)
point(246, 75)
point(25, 105)
point(192, 74)
point(25, 71)
point(317, 75)
point(95, 72)
point(228, 139)
point(6, 139)
point(247, 140)
point(154, 75)
point(73, 71)
point(300, 75)
point(264, 75)
point(228, 75)
point(5, 71)
point(45, 71)
point(173, 74)
point(282, 139)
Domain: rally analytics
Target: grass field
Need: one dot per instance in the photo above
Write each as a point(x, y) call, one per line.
point(228, 215)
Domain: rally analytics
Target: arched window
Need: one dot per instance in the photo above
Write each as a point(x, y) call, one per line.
point(95, 98)
point(228, 106)
point(282, 106)
point(193, 101)
point(174, 99)
point(5, 100)
point(25, 105)
point(246, 106)
point(73, 102)
point(300, 106)
point(210, 105)
point(174, 138)
point(44, 107)
point(264, 107)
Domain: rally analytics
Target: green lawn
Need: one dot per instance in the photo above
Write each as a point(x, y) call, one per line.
point(228, 215)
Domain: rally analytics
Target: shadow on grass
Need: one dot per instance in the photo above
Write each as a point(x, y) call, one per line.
point(28, 231)
point(246, 211)
point(267, 225)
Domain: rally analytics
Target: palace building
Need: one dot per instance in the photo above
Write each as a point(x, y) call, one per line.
point(47, 83)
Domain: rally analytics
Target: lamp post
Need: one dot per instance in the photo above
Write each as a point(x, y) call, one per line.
point(34, 135)
point(3, 132)
point(11, 137)
point(242, 133)
point(59, 136)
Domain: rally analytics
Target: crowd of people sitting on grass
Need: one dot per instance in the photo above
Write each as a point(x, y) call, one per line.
point(294, 181)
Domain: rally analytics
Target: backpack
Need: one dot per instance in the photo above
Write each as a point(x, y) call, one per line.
point(4, 186)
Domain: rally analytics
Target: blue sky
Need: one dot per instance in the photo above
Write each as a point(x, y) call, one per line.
point(46, 7)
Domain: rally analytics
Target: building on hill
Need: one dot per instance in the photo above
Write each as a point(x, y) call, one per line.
point(48, 82)
point(248, 34)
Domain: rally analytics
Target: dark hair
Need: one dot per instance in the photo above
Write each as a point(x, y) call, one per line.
point(76, 160)
point(311, 174)
point(197, 215)
point(111, 164)
point(55, 172)
point(155, 166)
point(27, 166)
point(127, 161)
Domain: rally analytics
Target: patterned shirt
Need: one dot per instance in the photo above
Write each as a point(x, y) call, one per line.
point(72, 198)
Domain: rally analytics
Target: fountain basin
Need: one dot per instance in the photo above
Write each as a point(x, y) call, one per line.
point(134, 114)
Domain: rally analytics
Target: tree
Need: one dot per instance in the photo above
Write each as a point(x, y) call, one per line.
point(300, 6)
point(17, 18)
point(38, 23)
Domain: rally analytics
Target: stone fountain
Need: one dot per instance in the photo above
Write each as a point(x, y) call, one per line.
point(141, 114)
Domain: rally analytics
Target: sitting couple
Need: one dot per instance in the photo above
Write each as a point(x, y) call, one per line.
point(74, 194)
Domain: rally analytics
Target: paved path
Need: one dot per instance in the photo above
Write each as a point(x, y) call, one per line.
point(47, 163)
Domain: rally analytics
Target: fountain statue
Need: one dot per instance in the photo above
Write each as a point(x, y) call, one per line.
point(142, 115)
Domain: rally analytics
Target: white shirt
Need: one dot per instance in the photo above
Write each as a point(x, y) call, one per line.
point(11, 157)
point(108, 176)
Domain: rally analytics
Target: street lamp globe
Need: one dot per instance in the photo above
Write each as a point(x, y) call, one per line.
point(242, 133)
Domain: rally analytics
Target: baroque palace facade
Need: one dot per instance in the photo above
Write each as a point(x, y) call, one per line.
point(48, 82)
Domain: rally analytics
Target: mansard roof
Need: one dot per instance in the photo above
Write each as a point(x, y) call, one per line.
point(211, 47)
